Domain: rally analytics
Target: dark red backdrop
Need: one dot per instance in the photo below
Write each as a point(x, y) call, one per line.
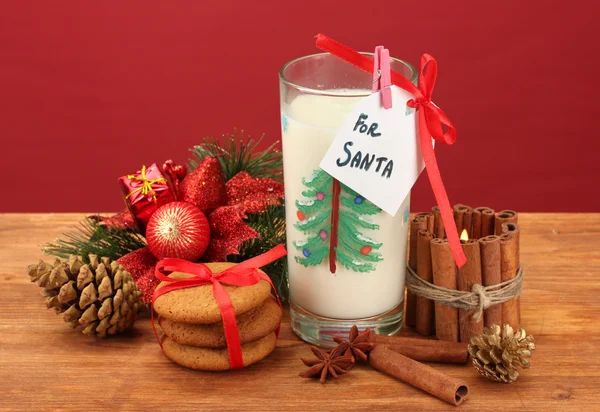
point(90, 91)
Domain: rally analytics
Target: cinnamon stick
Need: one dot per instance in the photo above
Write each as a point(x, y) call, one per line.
point(514, 228)
point(451, 390)
point(418, 223)
point(467, 222)
point(491, 271)
point(438, 229)
point(476, 224)
point(505, 216)
point(444, 275)
point(462, 217)
point(425, 324)
point(509, 227)
point(509, 249)
point(429, 219)
point(487, 220)
point(424, 350)
point(469, 275)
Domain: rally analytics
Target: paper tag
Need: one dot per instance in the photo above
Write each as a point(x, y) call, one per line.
point(376, 151)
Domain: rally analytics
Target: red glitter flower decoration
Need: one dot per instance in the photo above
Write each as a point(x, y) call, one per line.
point(122, 219)
point(228, 232)
point(226, 204)
point(140, 263)
point(205, 186)
point(255, 194)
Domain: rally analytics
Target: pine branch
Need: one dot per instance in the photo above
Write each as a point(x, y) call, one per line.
point(94, 237)
point(270, 226)
point(237, 153)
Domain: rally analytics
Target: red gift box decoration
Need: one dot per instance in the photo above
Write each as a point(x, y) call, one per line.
point(145, 191)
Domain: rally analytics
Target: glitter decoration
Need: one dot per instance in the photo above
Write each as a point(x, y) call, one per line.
point(226, 204)
point(140, 263)
point(145, 191)
point(175, 173)
point(204, 187)
point(228, 232)
point(178, 230)
point(255, 194)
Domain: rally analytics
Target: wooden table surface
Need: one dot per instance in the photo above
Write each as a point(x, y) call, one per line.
point(45, 365)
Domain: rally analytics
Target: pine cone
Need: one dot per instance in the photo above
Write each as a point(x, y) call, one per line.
point(100, 296)
point(497, 353)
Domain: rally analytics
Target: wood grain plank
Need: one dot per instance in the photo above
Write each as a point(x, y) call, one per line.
point(44, 365)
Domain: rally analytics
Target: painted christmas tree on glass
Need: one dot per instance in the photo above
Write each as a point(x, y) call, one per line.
point(332, 216)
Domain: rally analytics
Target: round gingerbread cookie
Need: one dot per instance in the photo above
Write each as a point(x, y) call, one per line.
point(206, 359)
point(252, 325)
point(198, 304)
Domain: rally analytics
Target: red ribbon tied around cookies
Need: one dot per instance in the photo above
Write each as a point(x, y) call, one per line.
point(242, 274)
point(432, 121)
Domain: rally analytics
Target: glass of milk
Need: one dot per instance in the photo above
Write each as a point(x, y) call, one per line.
point(346, 257)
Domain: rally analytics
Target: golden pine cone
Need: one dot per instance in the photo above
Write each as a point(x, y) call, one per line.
point(101, 296)
point(498, 352)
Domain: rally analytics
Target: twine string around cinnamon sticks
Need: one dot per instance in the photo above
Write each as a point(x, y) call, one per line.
point(478, 299)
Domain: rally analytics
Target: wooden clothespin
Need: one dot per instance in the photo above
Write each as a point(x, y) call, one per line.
point(382, 79)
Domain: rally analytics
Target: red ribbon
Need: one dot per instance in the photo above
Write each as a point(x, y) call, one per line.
point(242, 274)
point(432, 121)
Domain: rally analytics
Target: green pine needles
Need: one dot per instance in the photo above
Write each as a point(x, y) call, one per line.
point(270, 226)
point(332, 216)
point(92, 236)
point(237, 153)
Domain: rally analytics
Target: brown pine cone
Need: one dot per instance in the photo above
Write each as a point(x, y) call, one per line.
point(498, 352)
point(100, 296)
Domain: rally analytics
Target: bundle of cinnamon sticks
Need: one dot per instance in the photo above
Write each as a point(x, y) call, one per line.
point(492, 252)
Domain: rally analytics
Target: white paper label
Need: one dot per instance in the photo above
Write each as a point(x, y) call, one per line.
point(376, 151)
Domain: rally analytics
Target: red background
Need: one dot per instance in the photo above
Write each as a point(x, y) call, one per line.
point(90, 91)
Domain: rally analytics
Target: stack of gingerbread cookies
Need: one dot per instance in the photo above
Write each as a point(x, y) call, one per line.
point(193, 334)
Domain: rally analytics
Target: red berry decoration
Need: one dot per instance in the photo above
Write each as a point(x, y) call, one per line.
point(178, 230)
point(365, 250)
point(301, 216)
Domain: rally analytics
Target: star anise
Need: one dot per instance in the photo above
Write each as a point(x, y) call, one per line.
point(326, 364)
point(358, 344)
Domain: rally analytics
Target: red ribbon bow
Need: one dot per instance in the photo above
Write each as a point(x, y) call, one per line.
point(431, 125)
point(242, 274)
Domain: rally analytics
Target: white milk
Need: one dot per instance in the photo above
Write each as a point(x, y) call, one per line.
point(309, 126)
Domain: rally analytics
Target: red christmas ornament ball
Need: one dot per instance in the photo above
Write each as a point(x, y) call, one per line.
point(365, 250)
point(178, 230)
